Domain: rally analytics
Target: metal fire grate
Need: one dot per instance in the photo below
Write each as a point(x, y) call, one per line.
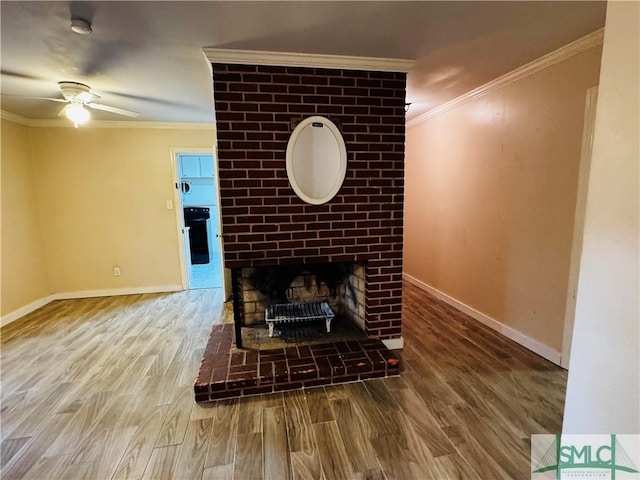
point(298, 312)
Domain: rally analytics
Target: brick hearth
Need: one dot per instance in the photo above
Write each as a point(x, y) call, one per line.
point(226, 372)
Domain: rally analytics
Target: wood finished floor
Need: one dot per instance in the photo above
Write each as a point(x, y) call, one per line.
point(102, 389)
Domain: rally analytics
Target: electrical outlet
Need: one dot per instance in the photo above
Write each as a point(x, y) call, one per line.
point(169, 205)
point(116, 271)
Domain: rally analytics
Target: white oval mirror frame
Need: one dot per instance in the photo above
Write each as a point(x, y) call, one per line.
point(316, 160)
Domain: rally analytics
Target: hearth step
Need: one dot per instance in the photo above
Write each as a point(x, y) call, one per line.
point(298, 312)
point(227, 372)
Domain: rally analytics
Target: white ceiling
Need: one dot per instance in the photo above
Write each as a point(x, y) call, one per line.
point(147, 56)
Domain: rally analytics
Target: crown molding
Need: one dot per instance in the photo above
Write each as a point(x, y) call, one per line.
point(62, 123)
point(311, 60)
point(582, 44)
point(12, 117)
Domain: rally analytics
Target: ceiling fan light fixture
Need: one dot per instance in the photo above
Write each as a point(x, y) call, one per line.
point(77, 114)
point(80, 26)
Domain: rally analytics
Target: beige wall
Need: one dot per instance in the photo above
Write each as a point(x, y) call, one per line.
point(490, 198)
point(102, 195)
point(101, 202)
point(603, 391)
point(24, 275)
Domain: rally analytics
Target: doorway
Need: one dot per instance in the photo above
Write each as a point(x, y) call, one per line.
point(198, 193)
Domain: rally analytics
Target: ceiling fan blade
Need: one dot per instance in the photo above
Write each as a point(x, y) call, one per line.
point(36, 98)
point(117, 111)
point(62, 112)
point(144, 98)
point(61, 100)
point(21, 75)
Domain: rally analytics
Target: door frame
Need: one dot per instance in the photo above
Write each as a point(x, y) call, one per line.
point(578, 223)
point(175, 167)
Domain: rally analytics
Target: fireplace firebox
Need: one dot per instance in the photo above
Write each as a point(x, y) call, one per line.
point(320, 291)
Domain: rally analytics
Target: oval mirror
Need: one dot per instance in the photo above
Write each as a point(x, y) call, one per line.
point(316, 160)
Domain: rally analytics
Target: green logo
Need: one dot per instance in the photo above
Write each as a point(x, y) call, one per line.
point(584, 456)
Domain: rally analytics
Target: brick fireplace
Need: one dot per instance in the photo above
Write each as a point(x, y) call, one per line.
point(271, 235)
point(266, 225)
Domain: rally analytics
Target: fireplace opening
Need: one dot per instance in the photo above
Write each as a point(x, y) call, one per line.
point(275, 306)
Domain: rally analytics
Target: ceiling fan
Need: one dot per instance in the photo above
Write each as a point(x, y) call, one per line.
point(79, 97)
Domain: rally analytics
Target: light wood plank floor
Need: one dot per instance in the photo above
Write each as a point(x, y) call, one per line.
point(102, 389)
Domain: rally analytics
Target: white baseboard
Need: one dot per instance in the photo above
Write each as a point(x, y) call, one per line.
point(113, 292)
point(394, 343)
point(535, 346)
point(22, 311)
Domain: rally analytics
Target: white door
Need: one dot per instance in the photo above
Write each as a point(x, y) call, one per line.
point(187, 251)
